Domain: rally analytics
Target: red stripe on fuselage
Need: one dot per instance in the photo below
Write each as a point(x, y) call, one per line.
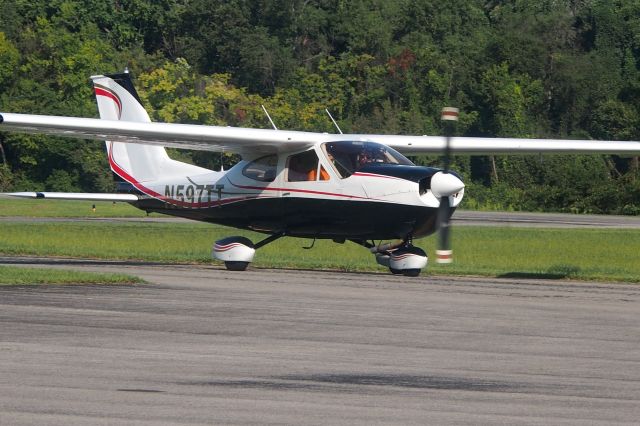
point(147, 191)
point(304, 191)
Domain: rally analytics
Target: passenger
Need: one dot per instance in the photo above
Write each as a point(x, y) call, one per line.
point(312, 174)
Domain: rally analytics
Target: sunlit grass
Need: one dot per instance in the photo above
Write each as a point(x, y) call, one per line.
point(66, 208)
point(590, 254)
point(14, 275)
point(563, 253)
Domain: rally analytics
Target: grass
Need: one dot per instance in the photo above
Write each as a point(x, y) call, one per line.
point(586, 254)
point(13, 207)
point(14, 275)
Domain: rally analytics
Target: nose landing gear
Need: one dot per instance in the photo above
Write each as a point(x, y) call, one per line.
point(401, 258)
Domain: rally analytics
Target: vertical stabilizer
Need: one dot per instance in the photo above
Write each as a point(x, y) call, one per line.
point(118, 100)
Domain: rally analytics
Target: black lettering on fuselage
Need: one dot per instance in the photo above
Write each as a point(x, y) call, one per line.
point(179, 192)
point(189, 193)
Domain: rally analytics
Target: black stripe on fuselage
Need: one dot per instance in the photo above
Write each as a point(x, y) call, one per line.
point(410, 173)
point(312, 217)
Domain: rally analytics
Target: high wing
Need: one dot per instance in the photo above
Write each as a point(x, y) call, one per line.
point(187, 136)
point(488, 146)
point(240, 140)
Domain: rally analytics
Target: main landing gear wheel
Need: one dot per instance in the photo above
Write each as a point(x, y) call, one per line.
point(236, 266)
point(238, 252)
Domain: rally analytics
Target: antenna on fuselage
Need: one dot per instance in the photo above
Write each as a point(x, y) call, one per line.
point(334, 121)
point(269, 117)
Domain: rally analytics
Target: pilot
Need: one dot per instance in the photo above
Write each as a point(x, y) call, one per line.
point(364, 158)
point(370, 155)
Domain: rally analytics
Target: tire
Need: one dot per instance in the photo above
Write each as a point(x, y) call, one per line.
point(236, 266)
point(395, 271)
point(411, 272)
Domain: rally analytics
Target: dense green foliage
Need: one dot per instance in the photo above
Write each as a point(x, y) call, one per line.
point(520, 68)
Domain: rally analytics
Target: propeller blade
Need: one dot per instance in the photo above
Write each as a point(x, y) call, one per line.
point(443, 185)
point(444, 254)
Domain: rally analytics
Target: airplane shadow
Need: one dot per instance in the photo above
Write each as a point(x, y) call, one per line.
point(327, 382)
point(534, 275)
point(554, 272)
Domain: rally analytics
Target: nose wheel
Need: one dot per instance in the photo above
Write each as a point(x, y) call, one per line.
point(395, 271)
point(401, 258)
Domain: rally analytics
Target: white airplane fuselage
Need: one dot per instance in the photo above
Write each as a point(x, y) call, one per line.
point(379, 201)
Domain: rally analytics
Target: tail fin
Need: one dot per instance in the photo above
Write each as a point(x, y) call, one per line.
point(118, 100)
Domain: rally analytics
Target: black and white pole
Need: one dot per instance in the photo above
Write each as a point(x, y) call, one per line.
point(444, 253)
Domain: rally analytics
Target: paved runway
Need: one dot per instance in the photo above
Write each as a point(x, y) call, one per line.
point(199, 345)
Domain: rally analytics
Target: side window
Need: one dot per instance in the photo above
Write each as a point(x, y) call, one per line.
point(262, 169)
point(341, 161)
point(305, 167)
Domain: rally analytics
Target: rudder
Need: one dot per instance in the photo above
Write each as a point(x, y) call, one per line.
point(118, 99)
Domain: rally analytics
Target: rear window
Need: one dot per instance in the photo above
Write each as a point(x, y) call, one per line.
point(263, 169)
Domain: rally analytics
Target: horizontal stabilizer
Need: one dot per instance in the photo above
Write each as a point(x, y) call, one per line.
point(73, 196)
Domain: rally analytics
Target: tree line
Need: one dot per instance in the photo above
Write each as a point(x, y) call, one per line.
point(516, 68)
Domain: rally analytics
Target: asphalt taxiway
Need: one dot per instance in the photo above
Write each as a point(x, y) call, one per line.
point(200, 345)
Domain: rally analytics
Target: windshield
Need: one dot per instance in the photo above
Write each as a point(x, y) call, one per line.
point(348, 157)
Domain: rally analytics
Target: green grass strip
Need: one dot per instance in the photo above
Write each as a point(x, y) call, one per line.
point(16, 275)
point(12, 207)
point(585, 254)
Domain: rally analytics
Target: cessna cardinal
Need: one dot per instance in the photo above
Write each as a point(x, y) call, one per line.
point(342, 187)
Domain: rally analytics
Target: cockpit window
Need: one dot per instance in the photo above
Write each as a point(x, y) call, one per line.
point(262, 169)
point(348, 157)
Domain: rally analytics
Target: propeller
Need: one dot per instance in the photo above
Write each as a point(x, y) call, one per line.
point(443, 185)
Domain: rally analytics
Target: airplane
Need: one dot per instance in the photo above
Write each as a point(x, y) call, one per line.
point(343, 187)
